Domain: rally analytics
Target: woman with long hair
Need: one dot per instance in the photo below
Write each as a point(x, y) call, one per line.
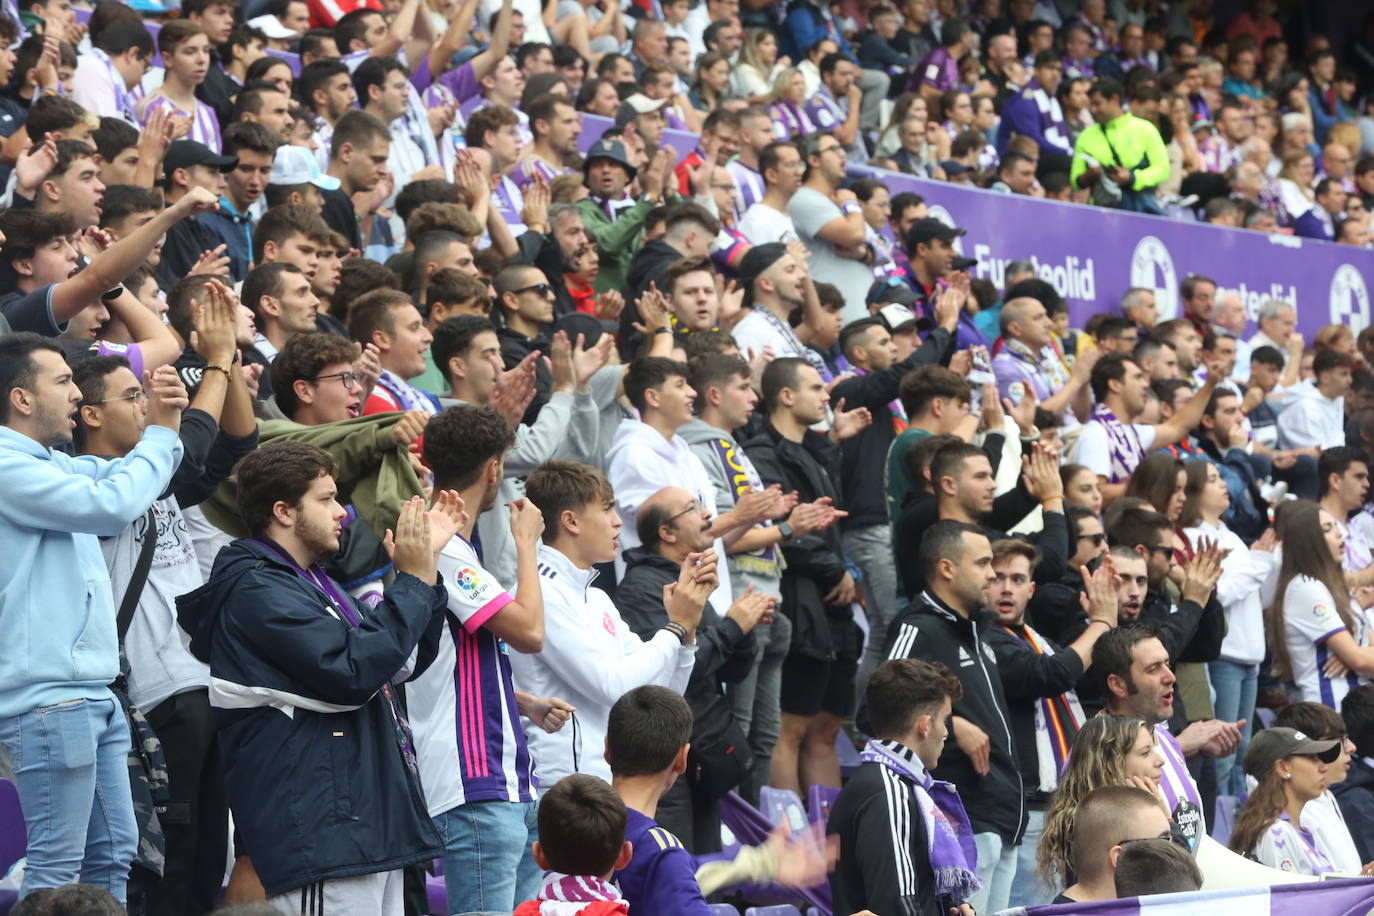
point(1160, 480)
point(1081, 487)
point(712, 82)
point(1295, 182)
point(757, 71)
point(1244, 570)
point(274, 70)
point(787, 106)
point(1318, 638)
point(1291, 770)
point(890, 140)
point(1108, 751)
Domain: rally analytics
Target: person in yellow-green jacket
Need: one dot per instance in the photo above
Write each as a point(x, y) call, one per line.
point(1121, 157)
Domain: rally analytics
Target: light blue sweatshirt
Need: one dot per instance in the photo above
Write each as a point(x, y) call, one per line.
point(57, 615)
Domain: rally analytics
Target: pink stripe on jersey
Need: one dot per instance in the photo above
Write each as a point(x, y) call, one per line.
point(486, 612)
point(470, 707)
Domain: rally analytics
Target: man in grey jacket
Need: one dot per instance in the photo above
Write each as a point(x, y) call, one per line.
point(468, 353)
point(725, 401)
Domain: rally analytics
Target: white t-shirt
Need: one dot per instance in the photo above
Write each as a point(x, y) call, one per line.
point(762, 224)
point(1289, 849)
point(755, 331)
point(1094, 448)
point(1310, 619)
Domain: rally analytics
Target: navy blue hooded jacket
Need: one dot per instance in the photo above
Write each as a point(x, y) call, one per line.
point(313, 765)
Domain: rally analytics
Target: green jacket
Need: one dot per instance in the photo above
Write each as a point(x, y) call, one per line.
point(1134, 143)
point(618, 241)
point(373, 473)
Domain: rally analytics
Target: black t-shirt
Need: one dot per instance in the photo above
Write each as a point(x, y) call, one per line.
point(1062, 899)
point(341, 217)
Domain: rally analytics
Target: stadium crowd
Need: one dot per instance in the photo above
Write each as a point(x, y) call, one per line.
point(396, 485)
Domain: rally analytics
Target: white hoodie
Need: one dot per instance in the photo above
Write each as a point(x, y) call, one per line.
point(641, 462)
point(1312, 418)
point(591, 658)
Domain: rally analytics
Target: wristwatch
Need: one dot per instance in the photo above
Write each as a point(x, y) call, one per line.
point(786, 531)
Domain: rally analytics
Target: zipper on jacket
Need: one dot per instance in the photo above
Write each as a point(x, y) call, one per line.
point(1006, 730)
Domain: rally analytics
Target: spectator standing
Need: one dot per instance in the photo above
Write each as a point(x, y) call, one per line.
point(673, 525)
point(79, 811)
point(1316, 414)
point(1121, 158)
point(768, 219)
point(613, 218)
point(817, 588)
point(830, 222)
point(590, 656)
point(894, 819)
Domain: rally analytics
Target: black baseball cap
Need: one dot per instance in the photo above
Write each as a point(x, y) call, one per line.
point(959, 262)
point(1274, 744)
point(759, 259)
point(890, 289)
point(928, 229)
point(183, 154)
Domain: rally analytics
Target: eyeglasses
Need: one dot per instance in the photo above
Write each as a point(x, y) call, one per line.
point(1097, 539)
point(542, 289)
point(691, 507)
point(350, 380)
point(1160, 548)
point(139, 397)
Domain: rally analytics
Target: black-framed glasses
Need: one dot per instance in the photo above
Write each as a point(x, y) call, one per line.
point(139, 397)
point(1097, 539)
point(542, 289)
point(350, 380)
point(691, 507)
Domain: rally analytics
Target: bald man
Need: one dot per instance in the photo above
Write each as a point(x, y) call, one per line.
point(1106, 819)
point(1028, 366)
point(674, 530)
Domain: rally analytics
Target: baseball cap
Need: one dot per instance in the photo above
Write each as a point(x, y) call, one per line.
point(890, 289)
point(959, 262)
point(759, 259)
point(271, 26)
point(1273, 744)
point(636, 104)
point(929, 229)
point(898, 318)
point(298, 165)
point(952, 168)
point(183, 154)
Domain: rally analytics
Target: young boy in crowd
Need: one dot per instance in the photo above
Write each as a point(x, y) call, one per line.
point(581, 844)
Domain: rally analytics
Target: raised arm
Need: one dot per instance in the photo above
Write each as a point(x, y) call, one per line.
point(112, 265)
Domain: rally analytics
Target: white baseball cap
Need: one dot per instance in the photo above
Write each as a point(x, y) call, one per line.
point(298, 165)
point(271, 27)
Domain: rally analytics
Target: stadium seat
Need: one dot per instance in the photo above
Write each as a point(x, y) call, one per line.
point(722, 909)
point(785, 909)
point(849, 757)
point(783, 807)
point(819, 800)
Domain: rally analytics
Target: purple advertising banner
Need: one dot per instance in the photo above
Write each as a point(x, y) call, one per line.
point(1092, 256)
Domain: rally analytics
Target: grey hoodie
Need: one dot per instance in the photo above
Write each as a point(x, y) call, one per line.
point(732, 474)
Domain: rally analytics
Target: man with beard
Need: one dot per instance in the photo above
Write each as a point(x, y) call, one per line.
point(336, 664)
point(74, 782)
point(556, 126)
point(1038, 679)
point(1192, 627)
point(947, 623)
point(282, 303)
point(612, 217)
point(672, 525)
point(1131, 668)
point(776, 282)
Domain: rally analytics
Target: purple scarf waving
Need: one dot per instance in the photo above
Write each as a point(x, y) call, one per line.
point(949, 838)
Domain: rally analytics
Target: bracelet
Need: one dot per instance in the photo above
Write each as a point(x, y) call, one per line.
point(849, 208)
point(663, 330)
point(677, 630)
point(1099, 620)
point(227, 373)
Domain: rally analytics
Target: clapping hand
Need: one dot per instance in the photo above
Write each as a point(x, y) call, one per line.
point(212, 262)
point(410, 546)
point(167, 397)
point(847, 423)
point(213, 334)
point(1099, 597)
point(653, 308)
point(446, 518)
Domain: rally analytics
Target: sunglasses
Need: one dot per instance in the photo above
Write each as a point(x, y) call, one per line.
point(542, 289)
point(1097, 539)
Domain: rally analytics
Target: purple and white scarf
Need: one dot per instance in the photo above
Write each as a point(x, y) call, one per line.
point(568, 895)
point(949, 837)
point(406, 396)
point(1123, 443)
point(790, 121)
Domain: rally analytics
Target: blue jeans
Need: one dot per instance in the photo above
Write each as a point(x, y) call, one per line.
point(997, 870)
point(1235, 687)
point(488, 865)
point(72, 770)
point(755, 699)
point(870, 548)
point(1026, 887)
